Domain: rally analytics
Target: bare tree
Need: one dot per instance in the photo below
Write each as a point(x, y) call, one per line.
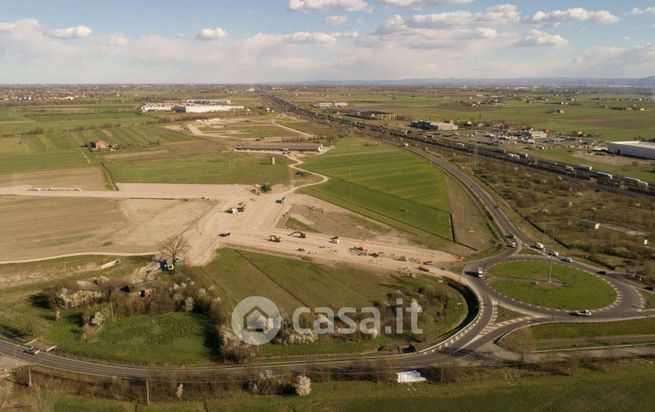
point(522, 342)
point(174, 247)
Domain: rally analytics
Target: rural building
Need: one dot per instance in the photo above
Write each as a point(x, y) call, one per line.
point(324, 105)
point(439, 126)
point(372, 114)
point(644, 150)
point(281, 147)
point(157, 107)
point(340, 104)
point(210, 101)
point(205, 108)
point(97, 145)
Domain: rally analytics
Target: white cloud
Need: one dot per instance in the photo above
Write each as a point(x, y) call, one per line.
point(638, 12)
point(500, 13)
point(329, 5)
point(313, 37)
point(611, 61)
point(335, 20)
point(494, 15)
point(211, 34)
point(7, 27)
point(537, 38)
point(117, 40)
point(78, 32)
point(419, 4)
point(573, 15)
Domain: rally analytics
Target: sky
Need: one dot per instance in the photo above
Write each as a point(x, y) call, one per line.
point(248, 41)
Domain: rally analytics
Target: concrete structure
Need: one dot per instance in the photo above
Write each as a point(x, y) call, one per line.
point(157, 107)
point(644, 150)
point(372, 114)
point(205, 108)
point(281, 147)
point(340, 104)
point(439, 126)
point(210, 101)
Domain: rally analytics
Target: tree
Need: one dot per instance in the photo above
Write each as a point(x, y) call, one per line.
point(174, 247)
point(303, 385)
point(522, 342)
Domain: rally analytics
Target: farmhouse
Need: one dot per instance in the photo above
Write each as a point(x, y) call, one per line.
point(97, 145)
point(644, 150)
point(280, 147)
point(439, 126)
point(372, 114)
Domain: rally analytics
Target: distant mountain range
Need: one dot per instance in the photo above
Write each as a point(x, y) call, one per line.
point(645, 82)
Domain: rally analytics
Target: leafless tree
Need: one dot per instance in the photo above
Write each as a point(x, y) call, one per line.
point(174, 247)
point(522, 342)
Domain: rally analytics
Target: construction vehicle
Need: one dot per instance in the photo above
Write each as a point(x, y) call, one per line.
point(301, 235)
point(274, 239)
point(334, 240)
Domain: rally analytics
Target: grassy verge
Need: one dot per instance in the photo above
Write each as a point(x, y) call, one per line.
point(570, 289)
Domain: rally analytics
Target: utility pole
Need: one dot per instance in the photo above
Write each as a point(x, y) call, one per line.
point(147, 391)
point(550, 258)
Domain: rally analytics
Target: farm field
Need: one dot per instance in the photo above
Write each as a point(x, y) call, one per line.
point(559, 335)
point(621, 387)
point(386, 184)
point(571, 289)
point(593, 114)
point(217, 168)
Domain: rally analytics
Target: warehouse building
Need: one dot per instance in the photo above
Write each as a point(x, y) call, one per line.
point(280, 147)
point(644, 150)
point(439, 126)
point(372, 114)
point(205, 108)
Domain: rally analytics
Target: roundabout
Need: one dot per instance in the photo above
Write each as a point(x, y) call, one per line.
point(563, 288)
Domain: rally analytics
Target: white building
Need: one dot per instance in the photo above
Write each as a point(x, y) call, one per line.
point(205, 108)
point(644, 150)
point(340, 104)
point(157, 107)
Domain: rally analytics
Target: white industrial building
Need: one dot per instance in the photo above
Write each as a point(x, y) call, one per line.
point(644, 150)
point(157, 107)
point(205, 108)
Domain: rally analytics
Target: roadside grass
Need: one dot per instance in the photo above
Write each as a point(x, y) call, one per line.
point(571, 289)
point(386, 184)
point(583, 335)
point(503, 314)
point(624, 387)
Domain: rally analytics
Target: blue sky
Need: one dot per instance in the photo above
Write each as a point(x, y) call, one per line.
point(279, 40)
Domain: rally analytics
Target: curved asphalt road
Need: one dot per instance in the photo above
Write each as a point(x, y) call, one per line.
point(463, 343)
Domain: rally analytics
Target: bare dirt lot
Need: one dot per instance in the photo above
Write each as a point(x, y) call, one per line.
point(54, 226)
point(88, 178)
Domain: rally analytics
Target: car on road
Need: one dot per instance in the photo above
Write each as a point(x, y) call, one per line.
point(583, 312)
point(513, 245)
point(567, 259)
point(32, 350)
point(226, 234)
point(538, 246)
point(554, 253)
point(480, 273)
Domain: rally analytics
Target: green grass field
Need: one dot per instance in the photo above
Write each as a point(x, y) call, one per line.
point(217, 168)
point(386, 184)
point(571, 288)
point(292, 283)
point(622, 388)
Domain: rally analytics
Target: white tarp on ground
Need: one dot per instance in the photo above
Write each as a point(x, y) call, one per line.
point(410, 377)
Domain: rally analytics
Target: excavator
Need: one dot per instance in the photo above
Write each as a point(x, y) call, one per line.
point(274, 239)
point(299, 234)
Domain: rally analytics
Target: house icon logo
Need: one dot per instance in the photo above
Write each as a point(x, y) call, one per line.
point(256, 320)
